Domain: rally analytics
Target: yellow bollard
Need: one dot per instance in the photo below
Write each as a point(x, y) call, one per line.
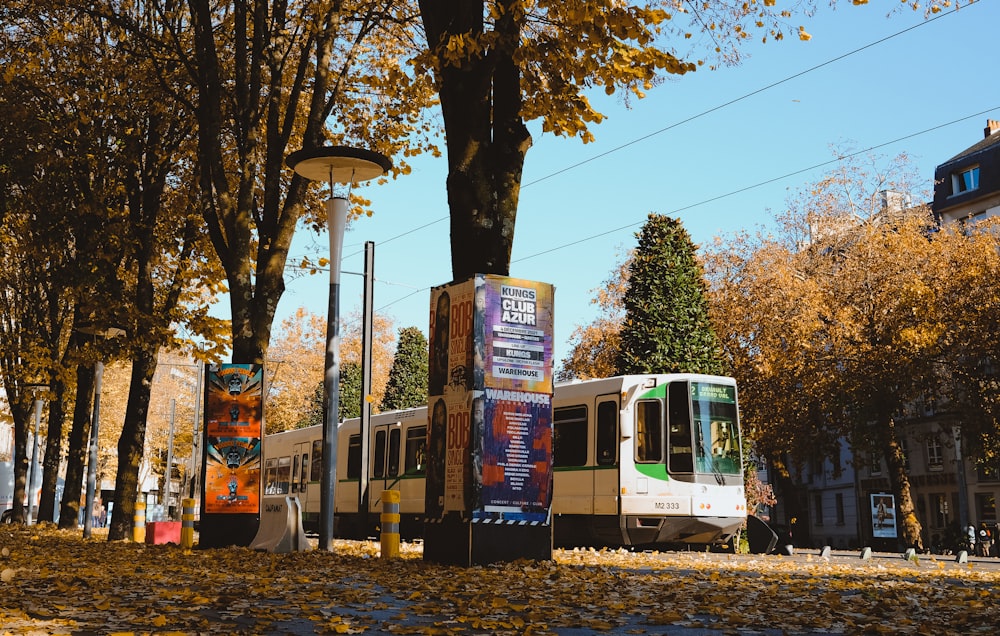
point(139, 522)
point(390, 524)
point(187, 524)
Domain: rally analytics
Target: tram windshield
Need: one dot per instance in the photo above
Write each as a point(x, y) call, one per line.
point(716, 429)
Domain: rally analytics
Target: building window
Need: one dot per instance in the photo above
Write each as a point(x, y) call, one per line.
point(965, 180)
point(840, 508)
point(875, 461)
point(941, 511)
point(935, 453)
point(986, 508)
point(988, 471)
point(818, 504)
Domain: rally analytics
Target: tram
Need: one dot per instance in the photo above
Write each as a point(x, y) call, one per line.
point(637, 460)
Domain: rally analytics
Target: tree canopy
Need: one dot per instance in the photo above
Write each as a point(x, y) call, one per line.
point(295, 368)
point(498, 64)
point(407, 384)
point(667, 327)
point(836, 333)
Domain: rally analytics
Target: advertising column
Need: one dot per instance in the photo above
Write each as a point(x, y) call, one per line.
point(489, 478)
point(234, 430)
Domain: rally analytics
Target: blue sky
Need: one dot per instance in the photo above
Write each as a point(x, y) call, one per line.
point(682, 149)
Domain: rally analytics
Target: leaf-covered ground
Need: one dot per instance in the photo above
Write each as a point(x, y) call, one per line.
point(54, 582)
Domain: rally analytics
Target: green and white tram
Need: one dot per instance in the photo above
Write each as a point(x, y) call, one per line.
point(638, 459)
point(645, 459)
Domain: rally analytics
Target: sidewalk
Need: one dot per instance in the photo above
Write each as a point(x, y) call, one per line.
point(54, 582)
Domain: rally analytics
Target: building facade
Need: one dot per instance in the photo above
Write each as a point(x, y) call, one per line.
point(967, 186)
point(839, 502)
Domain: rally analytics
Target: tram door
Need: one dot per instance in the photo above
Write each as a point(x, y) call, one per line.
point(385, 461)
point(606, 443)
point(585, 457)
point(300, 469)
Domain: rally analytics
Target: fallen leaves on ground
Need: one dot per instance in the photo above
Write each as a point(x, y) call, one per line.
point(55, 582)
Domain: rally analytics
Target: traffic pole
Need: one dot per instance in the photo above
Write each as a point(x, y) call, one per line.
point(139, 522)
point(390, 524)
point(187, 524)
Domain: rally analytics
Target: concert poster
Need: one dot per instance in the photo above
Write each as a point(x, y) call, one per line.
point(514, 319)
point(234, 431)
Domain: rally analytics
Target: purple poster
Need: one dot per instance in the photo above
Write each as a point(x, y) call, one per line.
point(516, 481)
point(489, 399)
point(516, 326)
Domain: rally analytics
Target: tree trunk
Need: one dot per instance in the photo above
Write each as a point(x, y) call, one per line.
point(793, 496)
point(69, 511)
point(53, 453)
point(131, 443)
point(906, 513)
point(21, 416)
point(485, 136)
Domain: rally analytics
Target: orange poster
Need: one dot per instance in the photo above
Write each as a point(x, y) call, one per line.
point(233, 432)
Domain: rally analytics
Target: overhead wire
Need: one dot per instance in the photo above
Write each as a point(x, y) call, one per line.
point(699, 115)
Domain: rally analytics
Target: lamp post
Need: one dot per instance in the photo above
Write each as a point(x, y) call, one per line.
point(88, 515)
point(33, 467)
point(344, 165)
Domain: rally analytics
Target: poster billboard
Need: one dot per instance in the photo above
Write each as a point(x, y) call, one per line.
point(883, 515)
point(489, 399)
point(516, 456)
point(516, 331)
point(233, 432)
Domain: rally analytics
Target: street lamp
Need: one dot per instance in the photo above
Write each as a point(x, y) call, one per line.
point(344, 165)
point(33, 468)
point(106, 332)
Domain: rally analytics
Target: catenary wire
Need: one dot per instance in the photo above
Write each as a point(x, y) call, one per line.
point(704, 113)
point(694, 117)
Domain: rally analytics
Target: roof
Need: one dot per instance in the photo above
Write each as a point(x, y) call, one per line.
point(982, 145)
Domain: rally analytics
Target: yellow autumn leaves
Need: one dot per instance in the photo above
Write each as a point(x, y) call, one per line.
point(63, 584)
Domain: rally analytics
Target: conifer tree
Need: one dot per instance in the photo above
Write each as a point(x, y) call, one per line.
point(350, 391)
point(408, 377)
point(667, 327)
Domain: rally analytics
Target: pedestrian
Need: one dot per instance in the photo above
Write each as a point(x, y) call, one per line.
point(971, 532)
point(985, 541)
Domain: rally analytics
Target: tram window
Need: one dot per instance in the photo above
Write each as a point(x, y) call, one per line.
point(271, 477)
point(354, 457)
point(648, 432)
point(394, 452)
point(295, 473)
point(681, 459)
point(305, 472)
point(716, 429)
point(378, 468)
point(416, 450)
point(283, 475)
point(569, 442)
point(607, 433)
point(316, 472)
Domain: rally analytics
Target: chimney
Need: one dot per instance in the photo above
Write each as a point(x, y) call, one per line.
point(992, 126)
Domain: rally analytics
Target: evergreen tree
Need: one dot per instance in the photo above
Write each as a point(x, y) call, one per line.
point(408, 376)
point(350, 391)
point(667, 327)
point(348, 403)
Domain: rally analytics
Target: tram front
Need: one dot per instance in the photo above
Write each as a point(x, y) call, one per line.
point(687, 483)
